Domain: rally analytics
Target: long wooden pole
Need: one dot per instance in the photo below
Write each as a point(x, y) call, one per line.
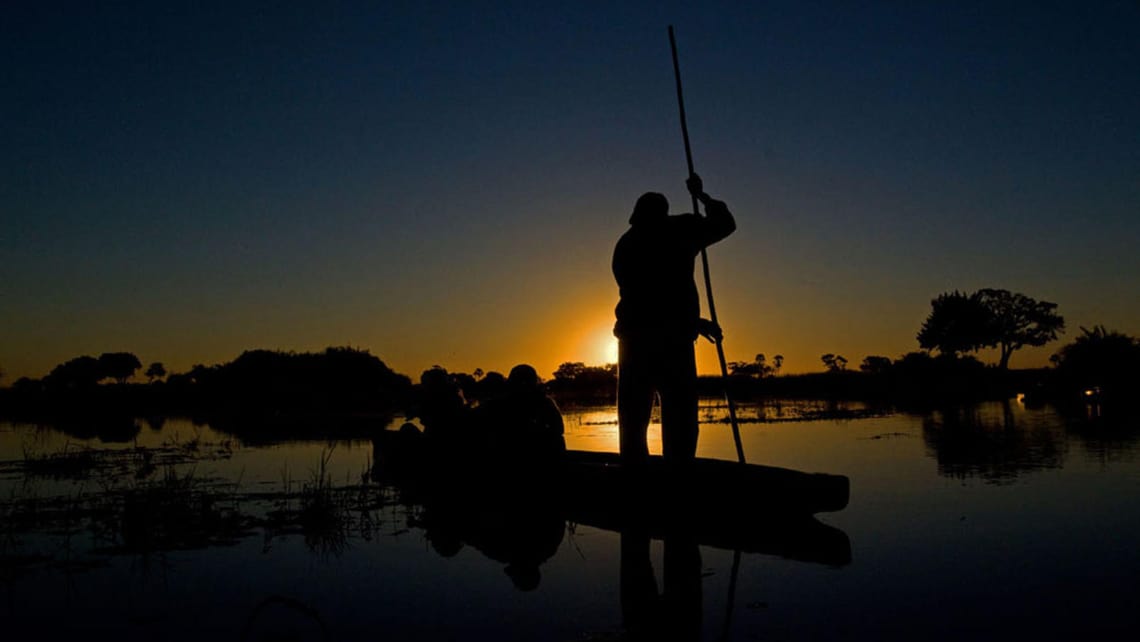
point(705, 256)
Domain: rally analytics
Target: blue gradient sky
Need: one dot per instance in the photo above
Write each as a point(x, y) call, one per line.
point(444, 184)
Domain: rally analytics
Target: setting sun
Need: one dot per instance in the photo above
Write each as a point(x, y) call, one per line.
point(596, 344)
point(610, 349)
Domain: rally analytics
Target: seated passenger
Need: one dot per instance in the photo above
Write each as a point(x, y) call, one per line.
point(525, 422)
point(440, 406)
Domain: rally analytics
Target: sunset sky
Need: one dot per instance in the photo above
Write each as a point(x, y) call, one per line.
point(443, 182)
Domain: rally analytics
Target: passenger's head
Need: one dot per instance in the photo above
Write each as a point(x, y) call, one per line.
point(434, 377)
point(525, 577)
point(445, 542)
point(437, 384)
point(523, 378)
point(650, 207)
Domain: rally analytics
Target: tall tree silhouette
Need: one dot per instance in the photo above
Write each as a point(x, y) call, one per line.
point(1017, 321)
point(958, 322)
point(119, 366)
point(989, 318)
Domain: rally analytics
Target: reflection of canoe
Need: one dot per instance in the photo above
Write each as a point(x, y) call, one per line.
point(716, 503)
point(719, 503)
point(800, 538)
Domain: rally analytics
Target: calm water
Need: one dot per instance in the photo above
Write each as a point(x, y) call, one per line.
point(996, 522)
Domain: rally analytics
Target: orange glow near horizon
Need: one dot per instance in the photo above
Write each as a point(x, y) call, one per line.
point(602, 348)
point(593, 343)
point(611, 350)
point(543, 332)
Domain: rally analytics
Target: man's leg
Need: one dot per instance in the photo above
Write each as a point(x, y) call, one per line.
point(635, 400)
point(679, 403)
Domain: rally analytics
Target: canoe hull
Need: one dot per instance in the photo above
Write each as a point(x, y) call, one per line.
point(716, 503)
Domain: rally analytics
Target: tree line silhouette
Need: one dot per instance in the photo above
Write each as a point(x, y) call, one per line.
point(1099, 363)
point(264, 383)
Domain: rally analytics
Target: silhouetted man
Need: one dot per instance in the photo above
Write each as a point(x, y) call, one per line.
point(658, 319)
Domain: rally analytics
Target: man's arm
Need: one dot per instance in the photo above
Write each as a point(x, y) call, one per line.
point(718, 221)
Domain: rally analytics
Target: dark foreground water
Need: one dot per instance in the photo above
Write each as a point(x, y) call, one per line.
point(996, 522)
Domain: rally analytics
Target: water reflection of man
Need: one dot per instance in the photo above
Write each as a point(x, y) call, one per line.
point(658, 319)
point(677, 612)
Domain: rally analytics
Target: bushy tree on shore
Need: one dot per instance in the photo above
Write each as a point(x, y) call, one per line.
point(874, 364)
point(577, 379)
point(988, 318)
point(1017, 321)
point(334, 378)
point(155, 371)
point(119, 366)
point(78, 373)
point(758, 367)
point(834, 362)
point(1100, 358)
point(957, 323)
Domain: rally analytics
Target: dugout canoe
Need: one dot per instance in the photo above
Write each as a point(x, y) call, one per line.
point(585, 478)
point(716, 484)
point(717, 503)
